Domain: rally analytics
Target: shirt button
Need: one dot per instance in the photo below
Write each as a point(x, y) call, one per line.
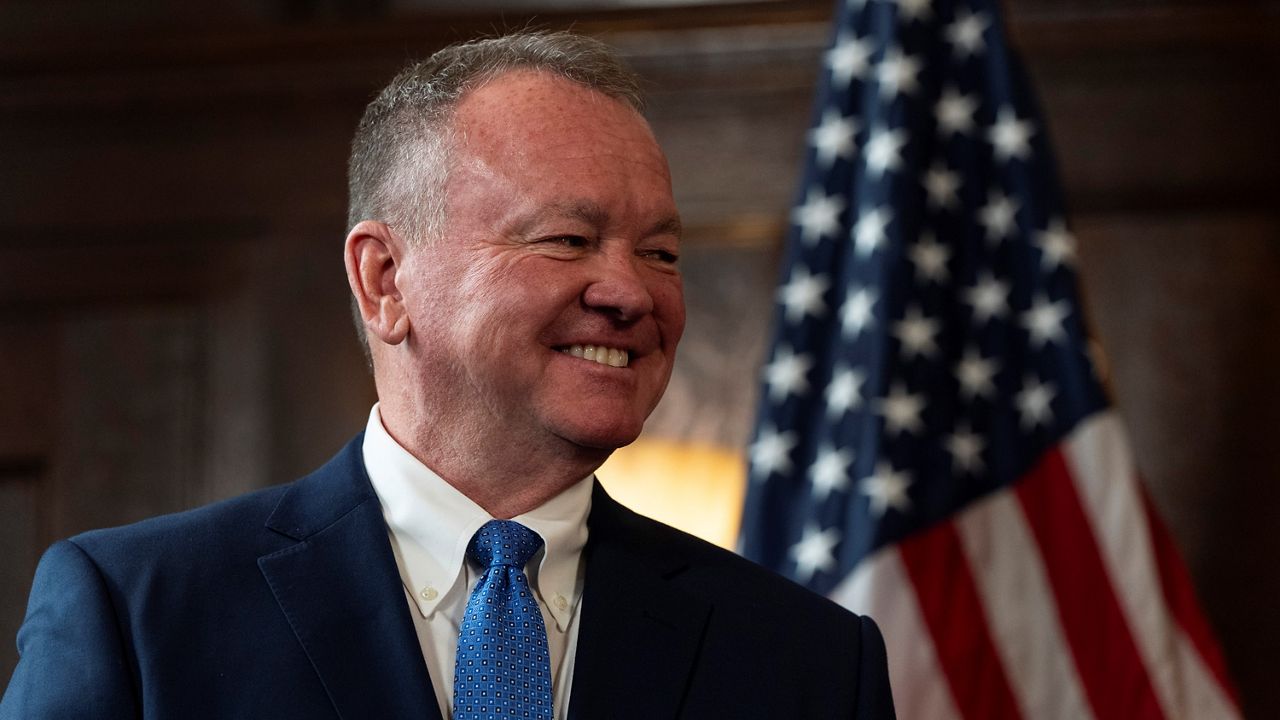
point(428, 593)
point(561, 602)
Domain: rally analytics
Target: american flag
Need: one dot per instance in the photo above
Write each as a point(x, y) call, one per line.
point(934, 447)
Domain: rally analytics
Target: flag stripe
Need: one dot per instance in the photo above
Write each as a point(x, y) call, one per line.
point(939, 571)
point(1202, 696)
point(1177, 587)
point(880, 588)
point(1021, 609)
point(1100, 458)
point(1109, 663)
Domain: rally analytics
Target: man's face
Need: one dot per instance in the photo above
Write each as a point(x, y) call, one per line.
point(561, 233)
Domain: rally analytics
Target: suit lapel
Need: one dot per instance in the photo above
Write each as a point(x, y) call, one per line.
point(640, 635)
point(342, 595)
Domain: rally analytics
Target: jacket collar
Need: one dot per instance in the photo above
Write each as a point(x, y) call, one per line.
point(339, 588)
point(340, 591)
point(640, 633)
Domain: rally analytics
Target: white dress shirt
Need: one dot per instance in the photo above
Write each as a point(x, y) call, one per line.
point(431, 523)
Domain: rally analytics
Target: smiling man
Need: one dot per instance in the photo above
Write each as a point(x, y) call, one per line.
point(513, 259)
point(515, 350)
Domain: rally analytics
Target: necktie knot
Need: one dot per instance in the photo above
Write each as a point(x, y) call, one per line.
point(503, 542)
point(503, 667)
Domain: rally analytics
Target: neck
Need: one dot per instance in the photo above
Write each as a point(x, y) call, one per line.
point(504, 476)
point(506, 489)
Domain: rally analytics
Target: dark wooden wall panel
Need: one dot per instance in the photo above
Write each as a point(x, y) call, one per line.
point(20, 536)
point(127, 450)
point(1163, 130)
point(27, 403)
point(320, 390)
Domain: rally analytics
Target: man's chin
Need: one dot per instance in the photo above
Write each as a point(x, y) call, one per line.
point(601, 440)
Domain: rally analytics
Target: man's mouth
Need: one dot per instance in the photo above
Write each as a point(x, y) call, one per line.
point(612, 357)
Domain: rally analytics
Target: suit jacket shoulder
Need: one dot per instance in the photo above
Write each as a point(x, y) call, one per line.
point(282, 603)
point(222, 533)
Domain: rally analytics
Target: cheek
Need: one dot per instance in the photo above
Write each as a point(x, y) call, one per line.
point(451, 309)
point(503, 302)
point(668, 301)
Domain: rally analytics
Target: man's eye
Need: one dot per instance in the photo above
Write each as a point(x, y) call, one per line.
point(662, 256)
point(573, 241)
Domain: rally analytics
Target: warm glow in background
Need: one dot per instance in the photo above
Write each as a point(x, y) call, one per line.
point(697, 488)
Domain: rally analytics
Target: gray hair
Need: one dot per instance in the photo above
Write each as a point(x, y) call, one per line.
point(400, 155)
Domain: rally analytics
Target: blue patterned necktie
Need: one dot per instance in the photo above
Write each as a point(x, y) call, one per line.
point(503, 668)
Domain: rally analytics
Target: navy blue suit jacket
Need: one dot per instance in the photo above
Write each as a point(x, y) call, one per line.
point(286, 603)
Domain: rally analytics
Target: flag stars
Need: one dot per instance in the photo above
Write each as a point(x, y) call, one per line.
point(884, 151)
point(815, 552)
point(998, 216)
point(1010, 137)
point(829, 472)
point(982, 361)
point(942, 187)
point(787, 374)
point(1057, 245)
point(966, 33)
point(1044, 321)
point(902, 411)
point(771, 452)
point(869, 230)
point(886, 488)
point(802, 295)
point(930, 259)
point(1034, 402)
point(966, 449)
point(976, 375)
point(916, 334)
point(857, 315)
point(844, 392)
point(989, 298)
point(954, 112)
point(896, 74)
point(849, 59)
point(833, 137)
point(819, 216)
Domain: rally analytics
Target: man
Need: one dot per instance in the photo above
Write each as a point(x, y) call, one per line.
point(513, 261)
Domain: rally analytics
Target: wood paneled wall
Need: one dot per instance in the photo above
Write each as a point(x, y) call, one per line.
point(173, 322)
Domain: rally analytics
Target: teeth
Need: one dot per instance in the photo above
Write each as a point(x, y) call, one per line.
point(599, 354)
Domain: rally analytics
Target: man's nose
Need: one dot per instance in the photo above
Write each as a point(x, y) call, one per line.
point(618, 287)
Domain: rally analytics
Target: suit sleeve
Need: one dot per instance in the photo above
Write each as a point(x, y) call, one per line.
point(875, 700)
point(71, 658)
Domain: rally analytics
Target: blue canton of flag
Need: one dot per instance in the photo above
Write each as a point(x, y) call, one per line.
point(933, 447)
point(928, 343)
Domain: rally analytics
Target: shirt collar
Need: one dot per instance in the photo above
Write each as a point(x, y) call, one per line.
point(431, 523)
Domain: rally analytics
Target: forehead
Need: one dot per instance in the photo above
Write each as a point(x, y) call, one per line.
point(524, 111)
point(530, 141)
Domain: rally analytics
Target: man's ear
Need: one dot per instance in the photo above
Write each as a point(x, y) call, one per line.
point(372, 253)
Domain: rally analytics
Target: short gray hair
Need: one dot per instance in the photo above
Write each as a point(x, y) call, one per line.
point(400, 155)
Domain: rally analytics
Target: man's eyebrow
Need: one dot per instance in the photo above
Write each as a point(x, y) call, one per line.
point(668, 226)
point(586, 211)
point(596, 216)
